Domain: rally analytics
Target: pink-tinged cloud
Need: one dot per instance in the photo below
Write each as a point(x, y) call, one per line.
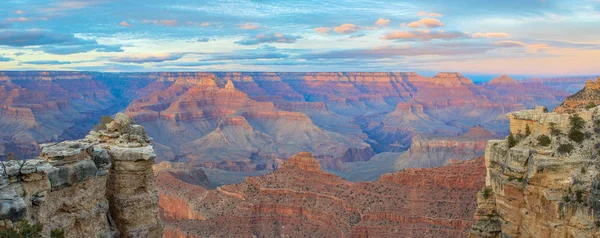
point(371, 28)
point(147, 58)
point(205, 24)
point(491, 35)
point(162, 22)
point(431, 14)
point(509, 43)
point(249, 26)
point(423, 35)
point(19, 19)
point(125, 24)
point(382, 22)
point(346, 28)
point(322, 30)
point(19, 12)
point(426, 23)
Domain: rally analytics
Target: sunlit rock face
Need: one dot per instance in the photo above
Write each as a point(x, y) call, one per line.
point(99, 186)
point(588, 97)
point(300, 199)
point(542, 190)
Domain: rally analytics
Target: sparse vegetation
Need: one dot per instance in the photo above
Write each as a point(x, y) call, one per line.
point(512, 141)
point(553, 130)
point(11, 156)
point(590, 105)
point(565, 148)
point(545, 109)
point(544, 140)
point(577, 122)
point(582, 170)
point(486, 193)
point(576, 136)
point(23, 230)
point(527, 131)
point(57, 233)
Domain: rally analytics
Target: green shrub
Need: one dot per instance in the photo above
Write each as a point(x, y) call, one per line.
point(11, 156)
point(527, 131)
point(590, 105)
point(544, 140)
point(545, 109)
point(565, 148)
point(486, 193)
point(582, 170)
point(577, 122)
point(576, 136)
point(57, 233)
point(512, 141)
point(579, 196)
point(23, 230)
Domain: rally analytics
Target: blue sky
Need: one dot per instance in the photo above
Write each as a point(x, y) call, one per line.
point(525, 37)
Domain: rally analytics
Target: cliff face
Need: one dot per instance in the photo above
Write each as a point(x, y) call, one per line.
point(100, 186)
point(588, 97)
point(301, 200)
point(542, 187)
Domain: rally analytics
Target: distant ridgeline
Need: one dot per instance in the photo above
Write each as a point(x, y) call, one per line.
point(99, 186)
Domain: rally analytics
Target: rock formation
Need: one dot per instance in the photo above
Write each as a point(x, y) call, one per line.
point(100, 186)
point(588, 97)
point(543, 183)
point(301, 200)
point(241, 122)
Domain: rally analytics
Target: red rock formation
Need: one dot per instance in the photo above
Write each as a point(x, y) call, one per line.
point(301, 200)
point(588, 97)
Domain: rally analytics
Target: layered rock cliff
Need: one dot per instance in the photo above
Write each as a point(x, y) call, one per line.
point(301, 200)
point(100, 186)
point(542, 181)
point(588, 97)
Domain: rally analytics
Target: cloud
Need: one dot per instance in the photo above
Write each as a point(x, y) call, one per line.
point(147, 58)
point(322, 30)
point(424, 35)
point(5, 59)
point(19, 12)
point(205, 24)
point(346, 28)
point(125, 24)
point(491, 35)
point(431, 14)
point(269, 38)
point(382, 22)
point(46, 62)
point(162, 22)
point(509, 43)
point(426, 22)
point(249, 26)
point(53, 43)
point(402, 51)
point(18, 19)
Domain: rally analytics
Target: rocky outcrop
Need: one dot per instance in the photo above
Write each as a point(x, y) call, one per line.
point(100, 186)
point(544, 184)
point(433, 151)
point(588, 97)
point(301, 200)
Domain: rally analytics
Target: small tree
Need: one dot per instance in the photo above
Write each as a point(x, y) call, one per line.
point(527, 130)
point(11, 156)
point(577, 122)
point(545, 109)
point(512, 141)
point(544, 140)
point(565, 148)
point(576, 136)
point(590, 105)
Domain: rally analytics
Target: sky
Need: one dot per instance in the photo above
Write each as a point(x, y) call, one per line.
point(519, 37)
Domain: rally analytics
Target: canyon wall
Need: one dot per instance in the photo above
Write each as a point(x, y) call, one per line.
point(544, 184)
point(301, 200)
point(100, 186)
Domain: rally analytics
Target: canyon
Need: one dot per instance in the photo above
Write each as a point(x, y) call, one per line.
point(235, 124)
point(301, 200)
